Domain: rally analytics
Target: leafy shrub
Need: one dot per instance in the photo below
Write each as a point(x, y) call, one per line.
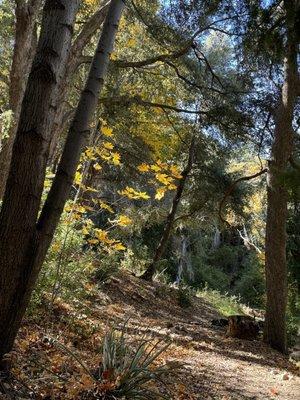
point(211, 276)
point(184, 296)
point(65, 267)
point(251, 285)
point(136, 259)
point(224, 303)
point(106, 268)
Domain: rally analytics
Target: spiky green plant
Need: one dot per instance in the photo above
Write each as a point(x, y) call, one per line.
point(126, 371)
point(131, 370)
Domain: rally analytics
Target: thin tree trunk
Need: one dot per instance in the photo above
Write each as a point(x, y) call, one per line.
point(150, 271)
point(22, 198)
point(24, 49)
point(276, 266)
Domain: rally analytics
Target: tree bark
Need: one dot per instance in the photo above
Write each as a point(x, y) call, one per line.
point(22, 198)
point(24, 49)
point(276, 266)
point(88, 31)
point(150, 271)
point(22, 272)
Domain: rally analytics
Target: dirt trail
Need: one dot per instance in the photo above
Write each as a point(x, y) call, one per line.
point(213, 367)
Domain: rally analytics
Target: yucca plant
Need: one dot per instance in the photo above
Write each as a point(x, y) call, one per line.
point(126, 371)
point(131, 371)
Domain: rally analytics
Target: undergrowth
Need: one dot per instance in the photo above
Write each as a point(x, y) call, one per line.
point(224, 303)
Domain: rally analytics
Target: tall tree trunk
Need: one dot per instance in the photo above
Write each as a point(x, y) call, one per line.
point(276, 266)
point(150, 271)
point(24, 49)
point(89, 29)
point(41, 233)
point(22, 198)
point(80, 127)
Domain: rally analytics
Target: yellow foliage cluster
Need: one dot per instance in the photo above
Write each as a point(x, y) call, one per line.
point(133, 194)
point(165, 174)
point(101, 237)
point(104, 152)
point(97, 236)
point(123, 220)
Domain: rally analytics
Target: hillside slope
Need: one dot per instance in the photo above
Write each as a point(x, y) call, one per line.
point(213, 366)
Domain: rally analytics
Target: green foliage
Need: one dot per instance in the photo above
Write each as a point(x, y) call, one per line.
point(293, 314)
point(106, 268)
point(184, 296)
point(251, 284)
point(66, 270)
point(224, 303)
point(210, 275)
point(136, 258)
point(226, 257)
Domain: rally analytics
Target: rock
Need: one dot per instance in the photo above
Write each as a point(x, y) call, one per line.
point(285, 377)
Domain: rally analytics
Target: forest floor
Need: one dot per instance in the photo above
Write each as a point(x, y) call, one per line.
point(211, 365)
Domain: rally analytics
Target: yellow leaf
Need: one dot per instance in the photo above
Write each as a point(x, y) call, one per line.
point(143, 168)
point(133, 194)
point(105, 206)
point(106, 131)
point(175, 172)
point(123, 220)
point(78, 178)
point(172, 186)
point(116, 158)
point(85, 230)
point(101, 235)
point(89, 153)
point(155, 168)
point(108, 145)
point(119, 246)
point(161, 164)
point(97, 167)
point(160, 193)
point(163, 178)
point(93, 241)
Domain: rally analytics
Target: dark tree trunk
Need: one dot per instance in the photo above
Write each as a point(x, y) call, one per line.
point(150, 271)
point(24, 49)
point(18, 281)
point(22, 198)
point(276, 266)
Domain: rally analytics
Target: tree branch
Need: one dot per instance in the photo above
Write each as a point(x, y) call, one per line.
point(232, 187)
point(126, 101)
